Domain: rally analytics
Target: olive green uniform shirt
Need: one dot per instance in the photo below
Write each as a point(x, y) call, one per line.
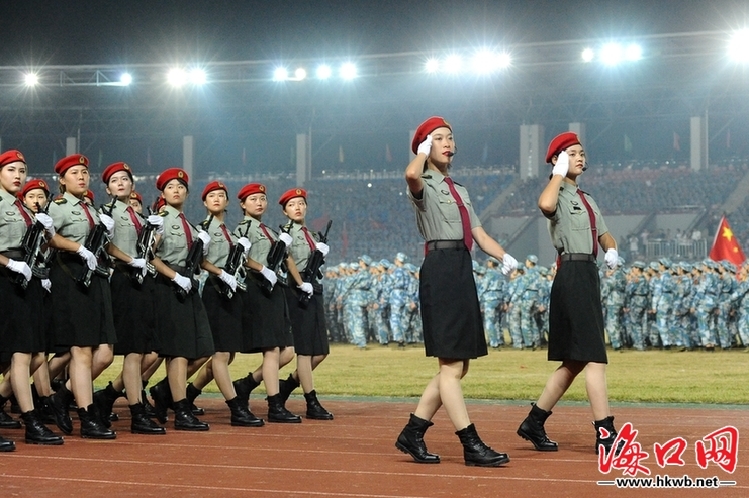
point(12, 225)
point(300, 249)
point(569, 225)
point(125, 235)
point(437, 214)
point(218, 250)
point(69, 215)
point(172, 248)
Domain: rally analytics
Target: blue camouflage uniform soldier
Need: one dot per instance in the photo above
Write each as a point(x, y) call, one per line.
point(400, 282)
point(491, 299)
point(637, 300)
point(529, 303)
point(613, 286)
point(355, 298)
point(681, 307)
point(515, 290)
point(663, 303)
point(727, 279)
point(705, 305)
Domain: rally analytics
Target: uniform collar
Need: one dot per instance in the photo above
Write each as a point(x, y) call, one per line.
point(73, 199)
point(7, 196)
point(172, 210)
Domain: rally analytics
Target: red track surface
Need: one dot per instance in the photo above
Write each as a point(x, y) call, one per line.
point(354, 456)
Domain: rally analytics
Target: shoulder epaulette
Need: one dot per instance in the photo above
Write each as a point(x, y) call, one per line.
point(429, 177)
point(61, 200)
point(163, 213)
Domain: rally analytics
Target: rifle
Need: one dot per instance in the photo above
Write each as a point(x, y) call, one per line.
point(314, 263)
point(95, 242)
point(192, 265)
point(234, 263)
point(276, 255)
point(31, 245)
point(144, 250)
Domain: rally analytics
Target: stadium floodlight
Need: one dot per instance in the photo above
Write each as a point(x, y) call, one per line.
point(323, 72)
point(177, 77)
point(611, 54)
point(197, 76)
point(30, 79)
point(504, 60)
point(738, 47)
point(453, 64)
point(348, 71)
point(280, 74)
point(483, 62)
point(633, 52)
point(432, 66)
point(300, 74)
point(588, 54)
point(126, 79)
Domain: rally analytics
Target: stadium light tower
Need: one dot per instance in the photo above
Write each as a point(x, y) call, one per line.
point(633, 52)
point(198, 76)
point(323, 72)
point(280, 74)
point(177, 77)
point(453, 64)
point(611, 54)
point(588, 54)
point(126, 79)
point(300, 74)
point(738, 47)
point(432, 66)
point(348, 71)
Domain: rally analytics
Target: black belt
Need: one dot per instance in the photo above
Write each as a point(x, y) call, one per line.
point(19, 255)
point(445, 244)
point(577, 257)
point(177, 268)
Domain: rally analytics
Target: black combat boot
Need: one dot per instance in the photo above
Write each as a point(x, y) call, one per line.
point(277, 411)
point(244, 387)
point(241, 415)
point(37, 432)
point(476, 453)
point(533, 430)
point(140, 423)
point(162, 399)
point(6, 421)
point(6, 445)
point(192, 394)
point(104, 400)
point(45, 410)
point(286, 387)
point(606, 435)
point(411, 440)
point(91, 425)
point(315, 411)
point(184, 420)
point(59, 403)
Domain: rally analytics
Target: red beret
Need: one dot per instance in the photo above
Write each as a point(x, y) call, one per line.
point(426, 128)
point(135, 195)
point(32, 185)
point(249, 189)
point(11, 156)
point(115, 168)
point(90, 195)
point(171, 174)
point(68, 162)
point(215, 185)
point(290, 194)
point(561, 142)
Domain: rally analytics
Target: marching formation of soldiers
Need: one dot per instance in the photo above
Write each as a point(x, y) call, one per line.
point(659, 305)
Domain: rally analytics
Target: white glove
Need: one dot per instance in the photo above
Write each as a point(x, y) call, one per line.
point(245, 242)
point(139, 263)
point(508, 264)
point(19, 267)
point(306, 287)
point(323, 248)
point(47, 284)
point(88, 257)
point(285, 238)
point(184, 282)
point(206, 240)
point(612, 258)
point(562, 165)
point(108, 222)
point(47, 223)
point(269, 275)
point(425, 147)
point(228, 279)
point(158, 222)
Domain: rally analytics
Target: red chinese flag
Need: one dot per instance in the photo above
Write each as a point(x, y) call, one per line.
point(725, 245)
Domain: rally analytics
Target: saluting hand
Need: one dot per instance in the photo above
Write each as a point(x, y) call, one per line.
point(425, 147)
point(562, 166)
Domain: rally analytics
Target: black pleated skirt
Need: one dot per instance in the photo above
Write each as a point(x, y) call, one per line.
point(453, 328)
point(21, 325)
point(224, 316)
point(183, 327)
point(134, 313)
point(308, 324)
point(265, 319)
point(575, 314)
point(80, 316)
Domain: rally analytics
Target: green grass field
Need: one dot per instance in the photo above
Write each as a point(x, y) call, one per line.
point(509, 374)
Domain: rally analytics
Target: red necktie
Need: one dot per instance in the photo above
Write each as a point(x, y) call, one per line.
point(25, 215)
point(464, 218)
point(188, 232)
point(312, 245)
point(134, 219)
point(226, 234)
point(88, 215)
point(592, 218)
